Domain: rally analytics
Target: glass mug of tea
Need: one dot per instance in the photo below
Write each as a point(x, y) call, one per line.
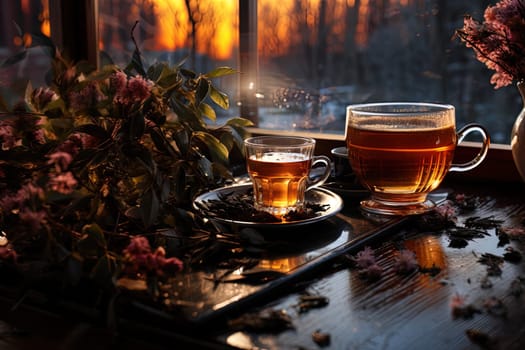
point(280, 170)
point(401, 151)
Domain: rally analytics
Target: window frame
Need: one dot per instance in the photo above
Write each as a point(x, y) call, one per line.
point(83, 17)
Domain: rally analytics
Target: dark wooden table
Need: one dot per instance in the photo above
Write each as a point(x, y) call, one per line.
point(465, 297)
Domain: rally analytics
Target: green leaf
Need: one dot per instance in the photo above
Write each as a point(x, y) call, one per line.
point(189, 74)
point(222, 171)
point(42, 40)
point(161, 143)
point(3, 104)
point(18, 29)
point(14, 59)
point(208, 111)
point(93, 130)
point(239, 122)
point(149, 207)
point(137, 125)
point(103, 270)
point(220, 98)
point(220, 72)
point(74, 268)
point(206, 168)
point(203, 86)
point(92, 243)
point(218, 152)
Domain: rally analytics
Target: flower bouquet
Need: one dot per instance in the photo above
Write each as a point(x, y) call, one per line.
point(499, 41)
point(98, 171)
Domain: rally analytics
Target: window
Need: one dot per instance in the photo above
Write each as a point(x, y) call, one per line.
point(316, 57)
point(17, 20)
point(311, 59)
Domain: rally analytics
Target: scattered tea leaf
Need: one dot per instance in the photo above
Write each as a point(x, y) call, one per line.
point(432, 270)
point(482, 223)
point(307, 302)
point(517, 287)
point(495, 307)
point(320, 338)
point(479, 338)
point(240, 207)
point(273, 321)
point(512, 255)
point(493, 263)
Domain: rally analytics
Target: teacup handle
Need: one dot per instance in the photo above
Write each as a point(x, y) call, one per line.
point(462, 133)
point(318, 181)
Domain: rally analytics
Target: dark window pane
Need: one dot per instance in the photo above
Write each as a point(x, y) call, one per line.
point(316, 57)
point(18, 20)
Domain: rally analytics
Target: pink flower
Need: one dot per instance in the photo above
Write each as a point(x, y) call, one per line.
point(41, 97)
point(139, 259)
point(16, 200)
point(132, 91)
point(87, 97)
point(139, 88)
point(405, 262)
point(366, 262)
point(118, 81)
point(7, 253)
point(63, 183)
point(33, 219)
point(499, 42)
point(446, 211)
point(61, 160)
point(457, 301)
point(7, 136)
point(365, 258)
point(513, 232)
point(372, 272)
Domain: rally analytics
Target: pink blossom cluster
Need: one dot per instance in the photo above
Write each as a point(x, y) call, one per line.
point(446, 211)
point(20, 129)
point(140, 259)
point(130, 91)
point(7, 253)
point(61, 180)
point(42, 96)
point(405, 262)
point(86, 98)
point(24, 201)
point(366, 261)
point(499, 41)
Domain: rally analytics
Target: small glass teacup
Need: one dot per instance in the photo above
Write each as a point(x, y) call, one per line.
point(280, 170)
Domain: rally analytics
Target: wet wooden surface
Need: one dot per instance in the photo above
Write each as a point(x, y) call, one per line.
point(396, 311)
point(418, 310)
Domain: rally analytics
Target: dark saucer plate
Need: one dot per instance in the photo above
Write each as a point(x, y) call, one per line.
point(317, 196)
point(347, 189)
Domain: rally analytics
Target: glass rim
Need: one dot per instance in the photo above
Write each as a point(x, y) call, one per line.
point(399, 108)
point(279, 141)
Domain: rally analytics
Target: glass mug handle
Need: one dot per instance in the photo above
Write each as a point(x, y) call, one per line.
point(462, 133)
point(318, 181)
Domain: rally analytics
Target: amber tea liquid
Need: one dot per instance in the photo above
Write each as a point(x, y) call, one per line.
point(404, 163)
point(280, 180)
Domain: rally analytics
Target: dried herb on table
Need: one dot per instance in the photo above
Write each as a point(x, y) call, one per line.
point(512, 255)
point(273, 321)
point(493, 263)
point(460, 308)
point(432, 270)
point(480, 338)
point(482, 223)
point(308, 301)
point(239, 207)
point(459, 236)
point(320, 338)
